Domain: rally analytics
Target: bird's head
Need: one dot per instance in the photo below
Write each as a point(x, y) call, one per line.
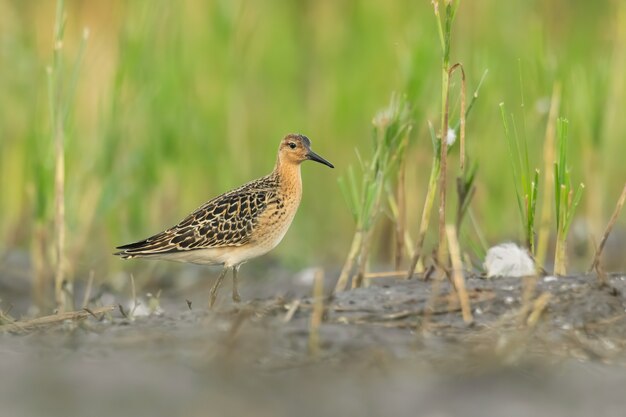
point(294, 149)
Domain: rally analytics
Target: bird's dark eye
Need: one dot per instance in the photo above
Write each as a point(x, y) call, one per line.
point(292, 145)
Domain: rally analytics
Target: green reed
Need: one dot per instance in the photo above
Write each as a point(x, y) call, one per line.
point(566, 198)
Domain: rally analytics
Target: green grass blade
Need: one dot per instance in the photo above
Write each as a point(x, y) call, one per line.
point(573, 207)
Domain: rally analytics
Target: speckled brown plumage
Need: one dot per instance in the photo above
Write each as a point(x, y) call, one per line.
point(227, 220)
point(238, 225)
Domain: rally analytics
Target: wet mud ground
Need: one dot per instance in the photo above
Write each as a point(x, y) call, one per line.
point(551, 346)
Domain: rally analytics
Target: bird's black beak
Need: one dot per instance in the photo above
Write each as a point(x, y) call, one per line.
point(315, 157)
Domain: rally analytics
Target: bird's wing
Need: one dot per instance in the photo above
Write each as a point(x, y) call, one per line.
point(226, 220)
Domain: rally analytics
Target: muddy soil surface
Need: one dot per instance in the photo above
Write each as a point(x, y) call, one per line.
point(550, 346)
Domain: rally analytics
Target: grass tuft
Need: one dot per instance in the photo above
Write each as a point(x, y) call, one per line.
point(438, 173)
point(565, 197)
point(391, 128)
point(526, 182)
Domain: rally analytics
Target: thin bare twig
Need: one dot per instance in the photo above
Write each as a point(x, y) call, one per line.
point(55, 319)
point(122, 311)
point(607, 231)
point(386, 274)
point(291, 311)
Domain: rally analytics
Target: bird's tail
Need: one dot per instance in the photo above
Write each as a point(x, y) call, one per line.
point(151, 246)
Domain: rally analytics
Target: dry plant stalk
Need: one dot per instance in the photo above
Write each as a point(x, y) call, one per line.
point(539, 306)
point(379, 275)
point(133, 295)
point(59, 221)
point(317, 314)
point(416, 257)
point(548, 176)
point(401, 217)
point(355, 247)
point(609, 228)
point(442, 171)
point(438, 170)
point(529, 288)
point(457, 273)
point(465, 190)
point(293, 307)
point(357, 281)
point(61, 91)
point(462, 116)
point(88, 289)
point(54, 319)
point(59, 171)
point(385, 274)
point(442, 250)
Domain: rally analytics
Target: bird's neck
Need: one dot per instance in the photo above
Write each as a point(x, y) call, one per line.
point(289, 178)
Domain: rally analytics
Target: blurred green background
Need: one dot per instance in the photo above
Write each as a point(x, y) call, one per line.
point(178, 101)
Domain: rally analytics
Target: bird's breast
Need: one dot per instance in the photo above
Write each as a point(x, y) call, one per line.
point(275, 221)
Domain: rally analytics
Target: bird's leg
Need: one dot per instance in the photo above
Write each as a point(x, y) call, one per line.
point(236, 297)
point(216, 286)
